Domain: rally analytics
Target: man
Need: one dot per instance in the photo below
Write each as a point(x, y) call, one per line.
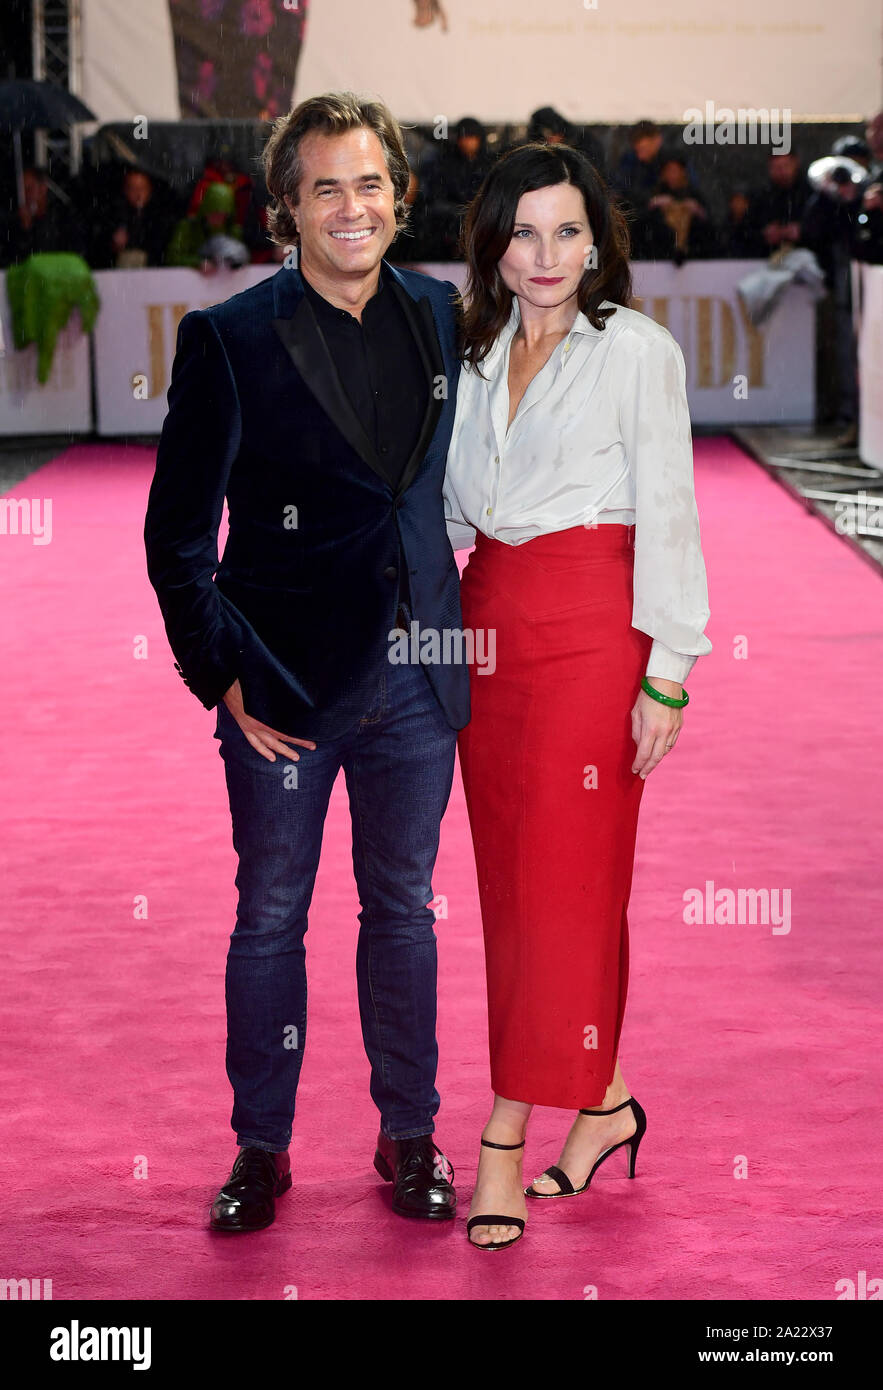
point(674, 223)
point(41, 224)
point(134, 232)
point(778, 206)
point(548, 127)
point(829, 228)
point(321, 403)
point(869, 232)
point(453, 181)
point(637, 173)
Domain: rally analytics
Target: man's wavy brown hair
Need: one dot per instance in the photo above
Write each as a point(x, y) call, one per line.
point(332, 114)
point(487, 232)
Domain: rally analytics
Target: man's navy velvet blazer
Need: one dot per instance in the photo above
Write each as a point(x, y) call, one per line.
point(301, 604)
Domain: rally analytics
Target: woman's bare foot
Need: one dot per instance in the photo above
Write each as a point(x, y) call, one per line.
point(499, 1190)
point(499, 1187)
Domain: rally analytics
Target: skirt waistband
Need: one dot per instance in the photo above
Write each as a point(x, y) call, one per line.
point(574, 540)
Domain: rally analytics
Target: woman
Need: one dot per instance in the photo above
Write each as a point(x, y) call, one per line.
point(571, 467)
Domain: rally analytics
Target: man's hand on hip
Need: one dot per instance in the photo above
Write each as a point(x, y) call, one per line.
point(267, 741)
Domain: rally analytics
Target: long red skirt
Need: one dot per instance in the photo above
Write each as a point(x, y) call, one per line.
point(553, 804)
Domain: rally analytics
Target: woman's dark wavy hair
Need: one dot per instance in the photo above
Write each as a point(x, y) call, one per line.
point(487, 232)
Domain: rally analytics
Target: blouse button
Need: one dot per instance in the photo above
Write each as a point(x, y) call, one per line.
point(497, 459)
point(489, 510)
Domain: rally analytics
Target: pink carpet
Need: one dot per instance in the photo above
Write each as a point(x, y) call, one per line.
point(753, 1051)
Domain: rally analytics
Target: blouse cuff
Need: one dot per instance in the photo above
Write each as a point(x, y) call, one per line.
point(669, 665)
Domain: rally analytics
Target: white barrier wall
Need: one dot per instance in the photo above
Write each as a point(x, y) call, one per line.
point(136, 332)
point(64, 403)
point(735, 374)
point(870, 367)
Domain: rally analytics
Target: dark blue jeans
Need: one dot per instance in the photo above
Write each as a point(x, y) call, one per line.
point(399, 763)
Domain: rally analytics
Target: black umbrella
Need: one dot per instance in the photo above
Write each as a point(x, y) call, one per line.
point(37, 106)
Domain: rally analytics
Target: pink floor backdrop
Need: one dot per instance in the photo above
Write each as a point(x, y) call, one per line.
point(752, 1051)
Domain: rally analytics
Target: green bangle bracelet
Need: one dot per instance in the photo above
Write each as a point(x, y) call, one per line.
point(664, 699)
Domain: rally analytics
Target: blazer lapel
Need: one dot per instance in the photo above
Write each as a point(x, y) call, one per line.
point(422, 324)
point(308, 351)
point(305, 345)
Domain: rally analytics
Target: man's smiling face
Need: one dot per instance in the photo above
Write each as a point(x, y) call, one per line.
point(345, 212)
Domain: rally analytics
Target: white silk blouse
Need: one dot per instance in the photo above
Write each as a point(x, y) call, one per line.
point(601, 435)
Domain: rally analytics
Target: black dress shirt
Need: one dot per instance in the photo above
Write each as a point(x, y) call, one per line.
point(381, 371)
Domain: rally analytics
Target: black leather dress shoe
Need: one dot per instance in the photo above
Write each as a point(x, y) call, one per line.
point(422, 1175)
point(247, 1201)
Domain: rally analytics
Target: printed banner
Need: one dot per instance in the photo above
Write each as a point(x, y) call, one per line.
point(594, 60)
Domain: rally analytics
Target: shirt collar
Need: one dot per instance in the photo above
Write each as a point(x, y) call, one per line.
point(324, 305)
point(581, 325)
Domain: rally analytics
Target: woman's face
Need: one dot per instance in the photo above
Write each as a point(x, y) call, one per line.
point(551, 240)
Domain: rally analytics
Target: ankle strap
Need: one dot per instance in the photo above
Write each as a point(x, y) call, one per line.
point(488, 1145)
point(608, 1112)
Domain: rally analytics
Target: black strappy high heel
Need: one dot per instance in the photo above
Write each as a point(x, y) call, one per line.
point(496, 1220)
point(567, 1188)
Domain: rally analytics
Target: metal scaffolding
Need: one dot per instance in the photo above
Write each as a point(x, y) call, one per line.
point(58, 58)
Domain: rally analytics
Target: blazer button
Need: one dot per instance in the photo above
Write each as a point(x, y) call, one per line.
point(391, 572)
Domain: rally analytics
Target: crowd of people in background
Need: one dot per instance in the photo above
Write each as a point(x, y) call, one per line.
point(223, 217)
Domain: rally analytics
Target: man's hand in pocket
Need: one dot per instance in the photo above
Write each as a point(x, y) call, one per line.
point(267, 741)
